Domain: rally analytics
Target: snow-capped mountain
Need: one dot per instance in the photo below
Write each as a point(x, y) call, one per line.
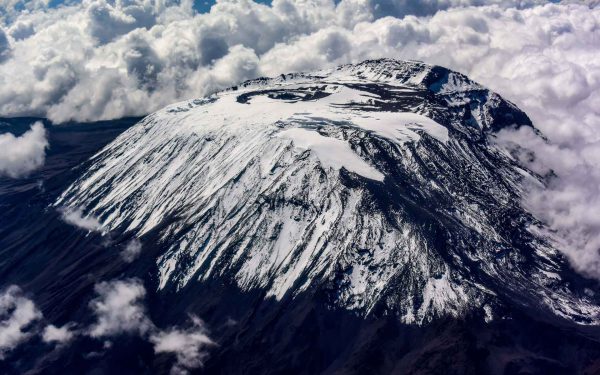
point(377, 185)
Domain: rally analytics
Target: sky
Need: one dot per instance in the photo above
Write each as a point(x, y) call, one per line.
point(106, 59)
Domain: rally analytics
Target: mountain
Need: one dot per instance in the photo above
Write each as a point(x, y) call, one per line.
point(359, 219)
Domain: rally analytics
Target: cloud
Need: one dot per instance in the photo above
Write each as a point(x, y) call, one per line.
point(107, 21)
point(132, 250)
point(75, 216)
point(590, 3)
point(60, 335)
point(22, 155)
point(569, 201)
point(4, 46)
point(101, 59)
point(21, 30)
point(13, 8)
point(119, 309)
point(17, 314)
point(401, 8)
point(188, 345)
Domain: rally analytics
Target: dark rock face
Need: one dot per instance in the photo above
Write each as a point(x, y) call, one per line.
point(354, 220)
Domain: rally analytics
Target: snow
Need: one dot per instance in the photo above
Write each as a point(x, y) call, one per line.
point(261, 110)
point(402, 127)
point(439, 294)
point(333, 153)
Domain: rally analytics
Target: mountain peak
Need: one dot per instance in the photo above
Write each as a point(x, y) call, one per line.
point(373, 183)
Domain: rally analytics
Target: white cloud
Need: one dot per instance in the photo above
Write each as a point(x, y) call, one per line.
point(100, 60)
point(60, 335)
point(119, 309)
point(132, 250)
point(107, 21)
point(17, 314)
point(21, 155)
point(4, 46)
point(401, 8)
point(570, 201)
point(21, 30)
point(76, 217)
point(10, 9)
point(188, 345)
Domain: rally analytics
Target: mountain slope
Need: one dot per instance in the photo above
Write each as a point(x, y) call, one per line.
point(376, 184)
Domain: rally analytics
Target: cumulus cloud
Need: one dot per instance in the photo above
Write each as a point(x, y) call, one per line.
point(188, 345)
point(569, 201)
point(4, 46)
point(76, 217)
point(17, 314)
point(401, 8)
point(107, 21)
point(59, 335)
point(119, 309)
point(21, 30)
point(132, 250)
point(10, 9)
point(101, 59)
point(21, 155)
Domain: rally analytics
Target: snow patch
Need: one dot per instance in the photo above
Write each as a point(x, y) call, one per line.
point(332, 152)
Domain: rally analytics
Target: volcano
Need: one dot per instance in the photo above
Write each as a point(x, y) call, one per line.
point(360, 219)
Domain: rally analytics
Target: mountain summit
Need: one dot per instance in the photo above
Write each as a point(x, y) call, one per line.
point(377, 185)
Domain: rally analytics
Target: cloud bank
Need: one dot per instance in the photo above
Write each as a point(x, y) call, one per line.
point(17, 314)
point(104, 59)
point(569, 202)
point(101, 59)
point(21, 155)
